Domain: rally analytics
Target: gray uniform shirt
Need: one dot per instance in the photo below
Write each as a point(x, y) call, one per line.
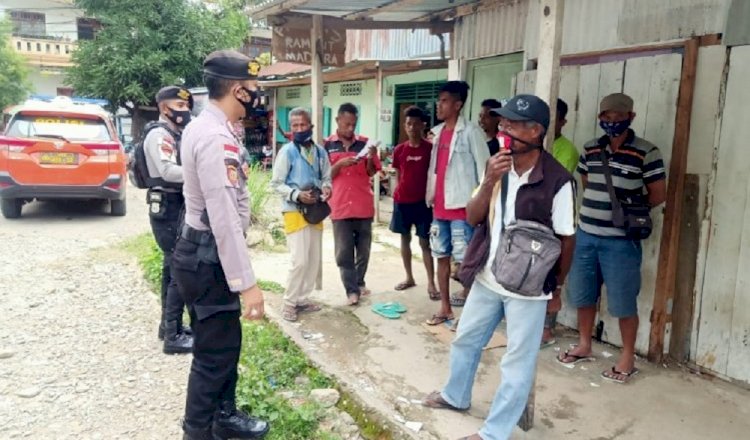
point(214, 181)
point(161, 156)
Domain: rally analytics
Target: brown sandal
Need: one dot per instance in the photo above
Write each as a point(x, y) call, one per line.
point(438, 319)
point(289, 314)
point(435, 400)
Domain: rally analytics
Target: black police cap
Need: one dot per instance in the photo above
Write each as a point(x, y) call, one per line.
point(230, 64)
point(174, 92)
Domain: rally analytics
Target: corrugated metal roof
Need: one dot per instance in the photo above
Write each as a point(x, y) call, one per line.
point(393, 44)
point(590, 26)
point(496, 31)
point(339, 8)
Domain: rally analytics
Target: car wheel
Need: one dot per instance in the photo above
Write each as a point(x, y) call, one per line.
point(11, 208)
point(118, 208)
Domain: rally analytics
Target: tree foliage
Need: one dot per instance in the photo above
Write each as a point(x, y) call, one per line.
point(14, 83)
point(147, 44)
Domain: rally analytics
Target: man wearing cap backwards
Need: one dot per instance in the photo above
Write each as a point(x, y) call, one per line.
point(603, 252)
point(162, 150)
point(538, 189)
point(211, 263)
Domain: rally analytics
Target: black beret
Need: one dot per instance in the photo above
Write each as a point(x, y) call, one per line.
point(174, 92)
point(230, 64)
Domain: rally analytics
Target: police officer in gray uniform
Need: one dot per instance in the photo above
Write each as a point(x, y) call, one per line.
point(162, 150)
point(211, 262)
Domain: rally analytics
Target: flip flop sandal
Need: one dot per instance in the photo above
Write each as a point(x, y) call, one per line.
point(438, 319)
point(364, 291)
point(549, 343)
point(610, 375)
point(385, 311)
point(435, 296)
point(309, 307)
point(454, 326)
point(457, 301)
point(435, 400)
point(576, 359)
point(394, 306)
point(403, 286)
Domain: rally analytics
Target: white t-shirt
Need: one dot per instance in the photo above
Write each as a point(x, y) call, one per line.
point(563, 223)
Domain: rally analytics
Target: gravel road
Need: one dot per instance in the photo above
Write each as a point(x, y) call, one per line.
point(79, 357)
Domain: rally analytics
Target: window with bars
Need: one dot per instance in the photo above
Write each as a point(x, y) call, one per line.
point(294, 93)
point(350, 89)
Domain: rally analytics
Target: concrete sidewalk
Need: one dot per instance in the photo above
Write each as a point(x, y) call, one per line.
point(391, 363)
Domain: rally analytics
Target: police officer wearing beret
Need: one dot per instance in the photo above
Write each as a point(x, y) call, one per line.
point(211, 262)
point(162, 150)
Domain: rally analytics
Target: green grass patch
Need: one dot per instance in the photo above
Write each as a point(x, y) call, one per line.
point(270, 286)
point(269, 362)
point(259, 187)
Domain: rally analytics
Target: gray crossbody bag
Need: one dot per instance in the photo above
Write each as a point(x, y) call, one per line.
point(527, 252)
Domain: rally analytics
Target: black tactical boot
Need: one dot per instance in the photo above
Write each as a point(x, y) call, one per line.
point(191, 433)
point(176, 342)
point(184, 329)
point(232, 423)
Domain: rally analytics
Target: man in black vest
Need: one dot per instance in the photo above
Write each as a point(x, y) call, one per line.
point(537, 189)
point(162, 149)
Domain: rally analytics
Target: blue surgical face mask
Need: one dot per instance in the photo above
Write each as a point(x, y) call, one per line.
point(303, 137)
point(614, 129)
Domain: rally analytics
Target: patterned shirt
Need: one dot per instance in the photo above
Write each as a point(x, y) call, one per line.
point(634, 165)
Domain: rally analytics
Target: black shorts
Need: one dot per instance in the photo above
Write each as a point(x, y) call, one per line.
point(406, 215)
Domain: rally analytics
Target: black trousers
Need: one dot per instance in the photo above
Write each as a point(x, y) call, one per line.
point(166, 227)
point(352, 241)
point(217, 334)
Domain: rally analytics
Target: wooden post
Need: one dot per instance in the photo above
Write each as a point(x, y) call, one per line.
point(316, 84)
point(670, 236)
point(547, 88)
point(275, 123)
point(548, 63)
point(378, 109)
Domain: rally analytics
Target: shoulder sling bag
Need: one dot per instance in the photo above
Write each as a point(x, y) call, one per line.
point(634, 218)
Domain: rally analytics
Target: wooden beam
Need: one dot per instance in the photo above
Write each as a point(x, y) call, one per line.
point(435, 26)
point(547, 88)
point(670, 237)
point(316, 37)
point(548, 64)
point(378, 109)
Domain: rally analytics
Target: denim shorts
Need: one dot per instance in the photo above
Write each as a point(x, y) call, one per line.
point(614, 261)
point(449, 238)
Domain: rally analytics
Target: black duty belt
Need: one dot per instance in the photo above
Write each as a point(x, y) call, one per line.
point(195, 236)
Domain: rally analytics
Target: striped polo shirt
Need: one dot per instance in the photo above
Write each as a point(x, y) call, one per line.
point(636, 164)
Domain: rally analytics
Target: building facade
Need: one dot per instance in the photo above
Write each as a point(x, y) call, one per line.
point(45, 33)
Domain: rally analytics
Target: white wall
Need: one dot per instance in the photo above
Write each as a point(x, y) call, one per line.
point(60, 15)
point(44, 83)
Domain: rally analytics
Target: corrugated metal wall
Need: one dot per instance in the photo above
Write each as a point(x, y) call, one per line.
point(492, 32)
point(393, 44)
point(607, 24)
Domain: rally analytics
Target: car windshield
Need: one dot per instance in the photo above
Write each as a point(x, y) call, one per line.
point(70, 128)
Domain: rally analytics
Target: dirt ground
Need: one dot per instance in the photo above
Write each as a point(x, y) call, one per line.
point(79, 357)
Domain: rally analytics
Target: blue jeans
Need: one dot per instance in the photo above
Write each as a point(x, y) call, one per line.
point(616, 262)
point(482, 313)
point(449, 238)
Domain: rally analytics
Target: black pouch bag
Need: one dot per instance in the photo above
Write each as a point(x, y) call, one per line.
point(634, 218)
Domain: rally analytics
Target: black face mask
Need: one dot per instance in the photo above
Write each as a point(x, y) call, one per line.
point(529, 146)
point(180, 118)
point(249, 106)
